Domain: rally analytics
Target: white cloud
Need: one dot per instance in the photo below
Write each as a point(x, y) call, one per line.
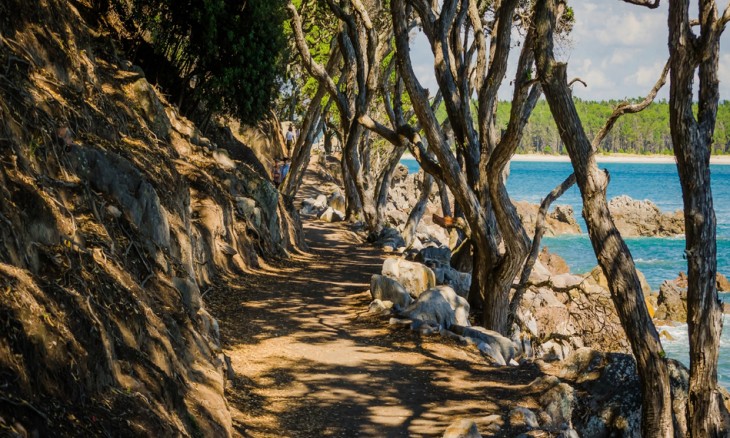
point(619, 49)
point(645, 76)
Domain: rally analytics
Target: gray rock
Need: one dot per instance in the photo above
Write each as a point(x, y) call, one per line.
point(190, 293)
point(464, 428)
point(414, 277)
point(378, 306)
point(308, 207)
point(390, 238)
point(502, 347)
point(459, 281)
point(223, 159)
point(387, 289)
point(114, 211)
point(337, 201)
point(331, 215)
point(435, 257)
point(321, 202)
point(557, 403)
point(439, 305)
point(523, 417)
point(248, 209)
point(115, 176)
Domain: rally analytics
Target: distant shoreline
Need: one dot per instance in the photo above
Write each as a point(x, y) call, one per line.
point(612, 158)
point(617, 158)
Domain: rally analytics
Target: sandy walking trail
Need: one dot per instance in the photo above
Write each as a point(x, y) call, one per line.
point(310, 362)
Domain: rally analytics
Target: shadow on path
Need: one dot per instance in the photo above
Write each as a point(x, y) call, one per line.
point(310, 362)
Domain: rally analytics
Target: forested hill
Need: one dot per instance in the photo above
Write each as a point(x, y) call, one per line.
point(644, 133)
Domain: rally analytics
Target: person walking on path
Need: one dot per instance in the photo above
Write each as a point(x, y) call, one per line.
point(290, 137)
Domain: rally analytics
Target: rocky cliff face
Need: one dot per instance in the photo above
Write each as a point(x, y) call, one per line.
point(116, 218)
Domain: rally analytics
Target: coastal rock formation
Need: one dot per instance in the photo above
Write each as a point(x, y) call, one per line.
point(560, 221)
point(606, 400)
point(553, 262)
point(672, 302)
point(635, 218)
point(723, 285)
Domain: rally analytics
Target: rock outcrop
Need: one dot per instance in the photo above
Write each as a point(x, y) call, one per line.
point(672, 302)
point(604, 392)
point(722, 283)
point(560, 221)
point(635, 218)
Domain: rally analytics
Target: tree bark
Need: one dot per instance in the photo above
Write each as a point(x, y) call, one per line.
point(611, 251)
point(692, 141)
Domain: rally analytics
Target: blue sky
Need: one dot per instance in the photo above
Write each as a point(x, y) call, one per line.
point(619, 49)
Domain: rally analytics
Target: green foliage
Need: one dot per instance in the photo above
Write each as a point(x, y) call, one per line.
point(644, 133)
point(227, 53)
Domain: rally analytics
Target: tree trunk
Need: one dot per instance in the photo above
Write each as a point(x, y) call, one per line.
point(409, 231)
point(444, 196)
point(692, 140)
point(611, 251)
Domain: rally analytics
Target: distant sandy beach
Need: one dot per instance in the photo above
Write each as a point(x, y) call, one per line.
point(613, 158)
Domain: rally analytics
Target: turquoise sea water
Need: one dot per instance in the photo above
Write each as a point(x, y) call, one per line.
point(658, 258)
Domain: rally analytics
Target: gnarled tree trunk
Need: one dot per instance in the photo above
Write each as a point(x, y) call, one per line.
point(692, 141)
point(611, 251)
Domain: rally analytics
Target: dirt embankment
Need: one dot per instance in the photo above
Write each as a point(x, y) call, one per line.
point(117, 217)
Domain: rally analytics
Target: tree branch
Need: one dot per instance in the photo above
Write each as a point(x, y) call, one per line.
point(380, 129)
point(314, 69)
point(651, 4)
point(627, 108)
point(570, 84)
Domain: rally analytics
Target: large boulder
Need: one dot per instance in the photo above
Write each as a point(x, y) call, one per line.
point(387, 289)
point(566, 314)
point(439, 306)
point(643, 218)
point(607, 400)
point(501, 349)
point(314, 206)
point(414, 277)
point(434, 256)
point(389, 239)
point(459, 281)
point(331, 215)
point(672, 302)
point(337, 201)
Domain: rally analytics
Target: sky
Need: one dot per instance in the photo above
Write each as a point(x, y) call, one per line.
point(617, 48)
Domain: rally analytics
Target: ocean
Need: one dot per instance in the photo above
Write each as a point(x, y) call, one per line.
point(658, 258)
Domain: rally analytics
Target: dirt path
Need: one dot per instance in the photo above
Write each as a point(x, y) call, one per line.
point(309, 362)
